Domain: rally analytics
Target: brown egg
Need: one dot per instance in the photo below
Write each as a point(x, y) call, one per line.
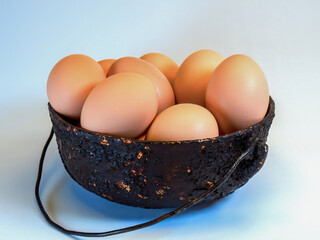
point(161, 83)
point(193, 76)
point(183, 122)
point(238, 93)
point(70, 81)
point(122, 105)
point(165, 64)
point(105, 64)
point(142, 137)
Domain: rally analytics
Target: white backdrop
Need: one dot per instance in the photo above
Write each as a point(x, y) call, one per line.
point(280, 202)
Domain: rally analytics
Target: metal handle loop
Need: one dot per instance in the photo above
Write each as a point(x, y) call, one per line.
point(205, 194)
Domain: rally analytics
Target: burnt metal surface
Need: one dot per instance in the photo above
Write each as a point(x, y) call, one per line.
point(157, 174)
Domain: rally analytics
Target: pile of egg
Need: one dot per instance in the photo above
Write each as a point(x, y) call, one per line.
point(152, 98)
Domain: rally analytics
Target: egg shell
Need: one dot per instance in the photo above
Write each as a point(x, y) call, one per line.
point(184, 121)
point(70, 82)
point(164, 63)
point(193, 76)
point(122, 105)
point(132, 64)
point(142, 137)
point(105, 64)
point(238, 93)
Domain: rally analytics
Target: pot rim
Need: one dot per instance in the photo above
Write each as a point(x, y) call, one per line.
point(269, 113)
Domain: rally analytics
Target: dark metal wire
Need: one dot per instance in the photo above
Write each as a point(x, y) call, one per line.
point(205, 194)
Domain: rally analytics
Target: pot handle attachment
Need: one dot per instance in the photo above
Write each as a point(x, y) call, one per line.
point(189, 204)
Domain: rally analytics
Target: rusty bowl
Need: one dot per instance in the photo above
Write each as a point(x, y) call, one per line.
point(152, 174)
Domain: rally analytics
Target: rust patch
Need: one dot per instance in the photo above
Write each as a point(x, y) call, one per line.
point(106, 196)
point(122, 185)
point(160, 191)
point(127, 163)
point(210, 183)
point(188, 170)
point(133, 172)
point(203, 147)
point(139, 156)
point(181, 198)
point(140, 171)
point(146, 148)
point(104, 142)
point(140, 196)
point(128, 141)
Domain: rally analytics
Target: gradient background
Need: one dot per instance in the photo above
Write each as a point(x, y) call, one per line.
point(280, 202)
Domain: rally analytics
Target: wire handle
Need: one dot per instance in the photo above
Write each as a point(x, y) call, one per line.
point(205, 194)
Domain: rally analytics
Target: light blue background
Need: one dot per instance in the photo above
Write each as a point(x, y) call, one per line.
point(280, 202)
